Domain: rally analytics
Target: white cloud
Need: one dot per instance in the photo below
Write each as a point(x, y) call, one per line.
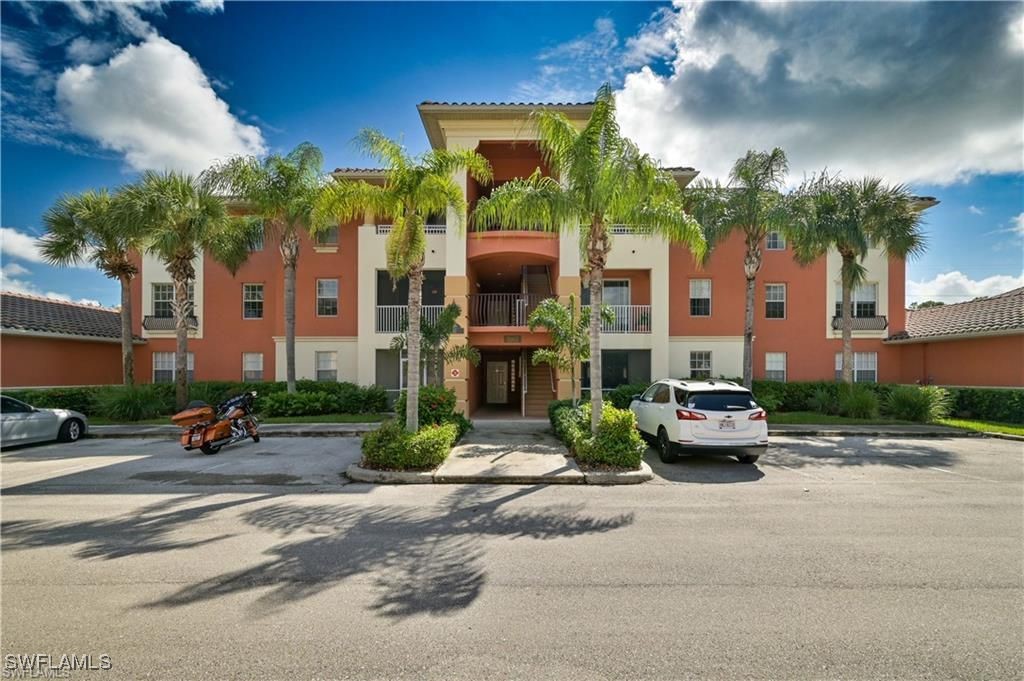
point(153, 103)
point(82, 50)
point(13, 280)
point(974, 210)
point(17, 56)
point(955, 287)
point(911, 92)
point(1018, 224)
point(23, 246)
point(13, 269)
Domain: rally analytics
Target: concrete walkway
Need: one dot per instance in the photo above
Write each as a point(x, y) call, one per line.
point(510, 451)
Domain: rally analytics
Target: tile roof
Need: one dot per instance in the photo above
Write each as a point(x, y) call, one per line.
point(44, 315)
point(1002, 313)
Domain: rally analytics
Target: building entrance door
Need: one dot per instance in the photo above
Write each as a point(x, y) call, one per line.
point(497, 383)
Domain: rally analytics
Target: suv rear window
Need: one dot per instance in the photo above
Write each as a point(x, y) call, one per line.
point(721, 401)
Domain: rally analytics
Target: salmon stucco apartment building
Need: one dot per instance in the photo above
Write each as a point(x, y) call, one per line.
point(672, 317)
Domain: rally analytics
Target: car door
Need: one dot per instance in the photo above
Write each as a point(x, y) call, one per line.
point(642, 408)
point(13, 420)
point(658, 410)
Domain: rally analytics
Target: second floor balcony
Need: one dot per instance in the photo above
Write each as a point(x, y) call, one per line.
point(502, 309)
point(628, 319)
point(872, 323)
point(165, 323)
point(393, 318)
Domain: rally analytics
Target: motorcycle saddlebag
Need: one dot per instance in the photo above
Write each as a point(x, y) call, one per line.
point(191, 417)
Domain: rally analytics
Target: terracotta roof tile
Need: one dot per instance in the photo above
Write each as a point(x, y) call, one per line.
point(45, 315)
point(1000, 313)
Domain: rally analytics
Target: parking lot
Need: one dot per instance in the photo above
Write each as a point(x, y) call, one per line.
point(829, 558)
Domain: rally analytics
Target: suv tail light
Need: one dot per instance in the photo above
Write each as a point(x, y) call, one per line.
point(759, 415)
point(687, 415)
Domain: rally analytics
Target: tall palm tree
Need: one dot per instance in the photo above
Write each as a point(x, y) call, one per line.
point(600, 179)
point(283, 191)
point(570, 336)
point(751, 203)
point(852, 216)
point(81, 228)
point(183, 218)
point(414, 187)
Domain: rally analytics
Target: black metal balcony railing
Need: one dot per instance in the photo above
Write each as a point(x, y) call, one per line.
point(502, 309)
point(150, 323)
point(878, 323)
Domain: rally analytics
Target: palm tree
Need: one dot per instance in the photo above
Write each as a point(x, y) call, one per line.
point(81, 228)
point(414, 187)
point(751, 203)
point(183, 218)
point(852, 216)
point(600, 179)
point(434, 346)
point(283, 192)
point(570, 336)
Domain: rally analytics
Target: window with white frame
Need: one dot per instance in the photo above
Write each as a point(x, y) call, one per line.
point(775, 366)
point(700, 297)
point(252, 301)
point(865, 367)
point(328, 237)
point(163, 299)
point(864, 300)
point(326, 297)
point(252, 366)
point(327, 366)
point(700, 364)
point(775, 301)
point(164, 367)
point(775, 241)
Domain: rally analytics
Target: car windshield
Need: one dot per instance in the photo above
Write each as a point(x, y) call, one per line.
point(721, 401)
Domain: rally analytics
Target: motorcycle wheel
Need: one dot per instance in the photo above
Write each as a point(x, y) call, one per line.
point(209, 449)
point(255, 437)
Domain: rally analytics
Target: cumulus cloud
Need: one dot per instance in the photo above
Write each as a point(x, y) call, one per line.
point(12, 280)
point(912, 92)
point(153, 103)
point(22, 246)
point(956, 287)
point(81, 50)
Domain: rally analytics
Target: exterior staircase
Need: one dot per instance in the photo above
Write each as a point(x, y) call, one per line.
point(538, 389)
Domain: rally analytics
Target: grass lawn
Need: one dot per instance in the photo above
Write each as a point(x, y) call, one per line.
point(813, 418)
point(323, 418)
point(985, 426)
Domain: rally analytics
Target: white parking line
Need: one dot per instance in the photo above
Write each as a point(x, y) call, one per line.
point(964, 475)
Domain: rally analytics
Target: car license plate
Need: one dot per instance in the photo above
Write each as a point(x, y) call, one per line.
point(726, 425)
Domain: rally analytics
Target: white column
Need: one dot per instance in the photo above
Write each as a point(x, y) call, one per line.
point(659, 310)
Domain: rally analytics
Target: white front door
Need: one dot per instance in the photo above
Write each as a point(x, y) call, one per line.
point(497, 383)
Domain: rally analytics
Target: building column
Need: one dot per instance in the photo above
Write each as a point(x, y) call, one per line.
point(456, 374)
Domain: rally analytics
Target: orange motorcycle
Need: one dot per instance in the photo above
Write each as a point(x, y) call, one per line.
point(208, 429)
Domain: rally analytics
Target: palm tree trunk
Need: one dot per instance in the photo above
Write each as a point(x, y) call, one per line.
point(412, 394)
point(748, 336)
point(847, 309)
point(290, 257)
point(596, 300)
point(127, 350)
point(182, 311)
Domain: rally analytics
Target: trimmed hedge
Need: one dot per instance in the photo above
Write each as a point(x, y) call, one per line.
point(436, 407)
point(621, 397)
point(616, 443)
point(989, 404)
point(298, 404)
point(391, 447)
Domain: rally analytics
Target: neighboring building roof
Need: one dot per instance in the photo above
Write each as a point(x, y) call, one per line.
point(432, 113)
point(994, 315)
point(31, 315)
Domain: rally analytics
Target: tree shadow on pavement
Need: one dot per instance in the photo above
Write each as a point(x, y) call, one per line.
point(147, 530)
point(703, 469)
point(420, 560)
point(860, 452)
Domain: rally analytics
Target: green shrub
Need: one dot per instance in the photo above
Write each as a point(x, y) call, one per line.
point(555, 405)
point(989, 404)
point(119, 403)
point(920, 404)
point(617, 441)
point(823, 401)
point(391, 447)
point(297, 404)
point(857, 401)
point(436, 407)
point(570, 425)
point(83, 399)
point(621, 397)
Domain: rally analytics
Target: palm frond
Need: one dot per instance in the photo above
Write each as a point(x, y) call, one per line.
point(536, 202)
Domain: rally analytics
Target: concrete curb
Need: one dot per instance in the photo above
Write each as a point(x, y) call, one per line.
point(1003, 436)
point(357, 473)
point(821, 432)
point(620, 477)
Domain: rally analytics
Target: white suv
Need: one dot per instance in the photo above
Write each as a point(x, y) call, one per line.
point(704, 415)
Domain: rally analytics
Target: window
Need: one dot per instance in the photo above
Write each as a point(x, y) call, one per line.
point(700, 364)
point(865, 367)
point(163, 299)
point(256, 243)
point(252, 301)
point(252, 366)
point(700, 297)
point(725, 400)
point(620, 367)
point(775, 366)
point(653, 394)
point(661, 395)
point(328, 237)
point(9, 405)
point(327, 366)
point(864, 299)
point(616, 292)
point(775, 301)
point(164, 366)
point(326, 297)
point(775, 242)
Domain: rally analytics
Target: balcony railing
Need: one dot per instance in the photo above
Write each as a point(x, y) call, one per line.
point(429, 229)
point(392, 318)
point(629, 229)
point(502, 309)
point(628, 319)
point(878, 323)
point(150, 323)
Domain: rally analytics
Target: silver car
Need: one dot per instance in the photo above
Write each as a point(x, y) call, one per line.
point(22, 424)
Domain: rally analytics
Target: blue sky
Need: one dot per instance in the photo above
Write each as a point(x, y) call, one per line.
point(94, 93)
